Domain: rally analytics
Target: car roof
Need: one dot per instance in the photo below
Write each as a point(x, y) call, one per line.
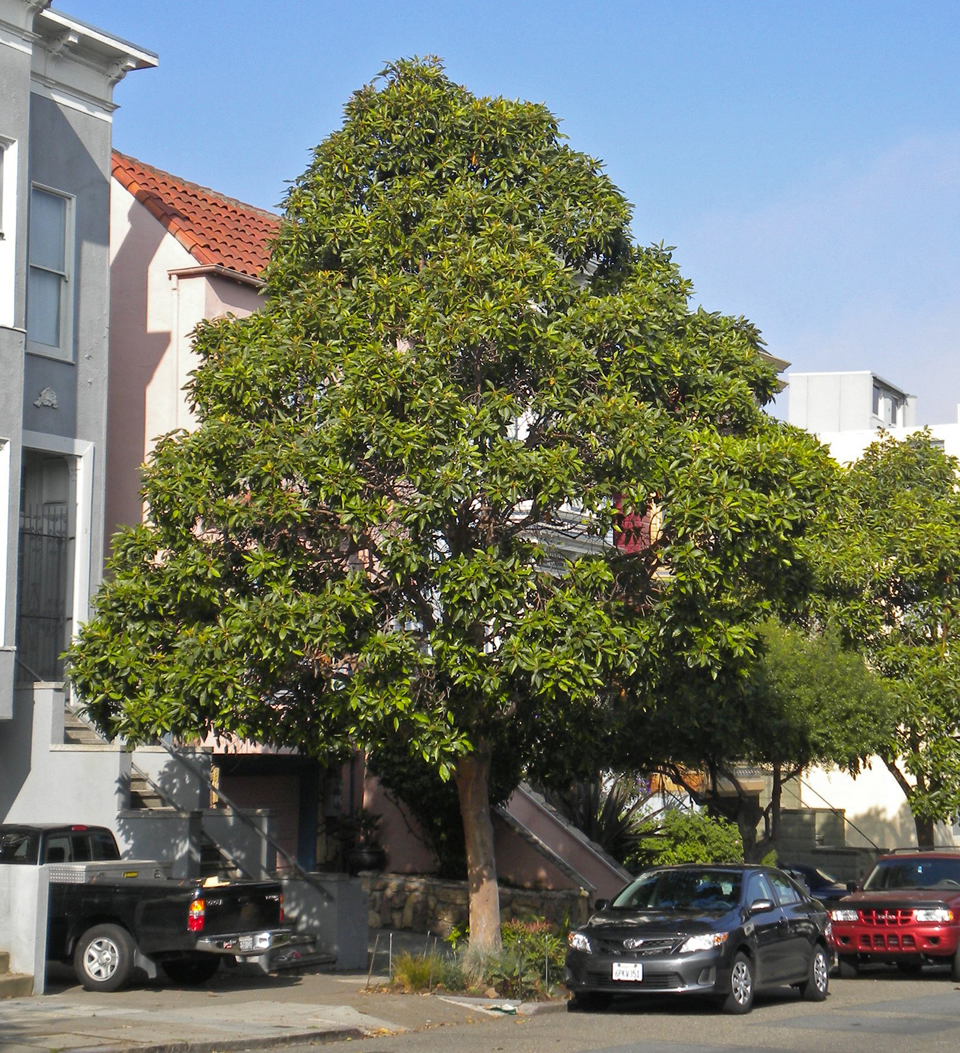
point(42, 828)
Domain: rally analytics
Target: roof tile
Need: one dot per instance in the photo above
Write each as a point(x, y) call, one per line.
point(216, 230)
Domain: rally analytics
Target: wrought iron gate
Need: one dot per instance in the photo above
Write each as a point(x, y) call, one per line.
point(42, 590)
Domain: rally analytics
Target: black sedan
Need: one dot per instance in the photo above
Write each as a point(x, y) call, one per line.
point(710, 930)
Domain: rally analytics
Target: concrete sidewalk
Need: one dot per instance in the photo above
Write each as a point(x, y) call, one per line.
point(238, 1009)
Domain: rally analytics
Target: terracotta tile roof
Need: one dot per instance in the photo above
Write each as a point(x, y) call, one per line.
point(216, 230)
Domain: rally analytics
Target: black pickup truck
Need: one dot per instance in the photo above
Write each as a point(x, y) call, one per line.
point(111, 915)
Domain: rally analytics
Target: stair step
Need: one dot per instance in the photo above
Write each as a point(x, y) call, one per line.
point(143, 795)
point(77, 732)
point(13, 985)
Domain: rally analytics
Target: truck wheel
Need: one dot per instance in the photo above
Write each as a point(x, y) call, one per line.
point(814, 989)
point(955, 967)
point(848, 966)
point(103, 959)
point(191, 972)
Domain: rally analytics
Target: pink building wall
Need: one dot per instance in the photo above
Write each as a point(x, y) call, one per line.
point(154, 307)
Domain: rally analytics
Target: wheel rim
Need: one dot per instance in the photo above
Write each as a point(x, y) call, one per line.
point(741, 983)
point(101, 958)
point(820, 970)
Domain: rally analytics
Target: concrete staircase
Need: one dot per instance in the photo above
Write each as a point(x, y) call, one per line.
point(13, 985)
point(77, 732)
point(145, 795)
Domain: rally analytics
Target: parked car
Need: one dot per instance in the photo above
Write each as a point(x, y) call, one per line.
point(907, 913)
point(108, 915)
point(821, 885)
point(717, 930)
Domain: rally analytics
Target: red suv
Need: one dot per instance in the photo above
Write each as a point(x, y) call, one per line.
point(907, 913)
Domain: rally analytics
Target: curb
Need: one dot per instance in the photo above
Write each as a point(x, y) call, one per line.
point(264, 1042)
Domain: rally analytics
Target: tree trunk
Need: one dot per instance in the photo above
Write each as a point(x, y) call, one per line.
point(924, 827)
point(473, 785)
point(924, 832)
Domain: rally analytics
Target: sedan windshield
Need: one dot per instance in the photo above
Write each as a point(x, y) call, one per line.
point(914, 873)
point(693, 889)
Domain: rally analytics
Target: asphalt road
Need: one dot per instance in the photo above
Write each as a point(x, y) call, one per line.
point(881, 1012)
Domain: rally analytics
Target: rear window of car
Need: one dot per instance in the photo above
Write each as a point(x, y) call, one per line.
point(103, 846)
point(19, 846)
point(914, 873)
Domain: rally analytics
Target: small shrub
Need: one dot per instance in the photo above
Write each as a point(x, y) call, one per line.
point(678, 836)
point(422, 972)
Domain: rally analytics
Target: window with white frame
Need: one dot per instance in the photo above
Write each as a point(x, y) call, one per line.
point(49, 278)
point(8, 228)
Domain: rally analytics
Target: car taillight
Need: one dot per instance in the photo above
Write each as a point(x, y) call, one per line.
point(281, 908)
point(196, 917)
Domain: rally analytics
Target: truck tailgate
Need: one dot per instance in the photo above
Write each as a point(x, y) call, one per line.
point(246, 906)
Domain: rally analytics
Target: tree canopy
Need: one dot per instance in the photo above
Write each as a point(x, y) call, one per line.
point(889, 565)
point(398, 514)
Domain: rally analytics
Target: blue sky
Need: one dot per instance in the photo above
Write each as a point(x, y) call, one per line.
point(802, 156)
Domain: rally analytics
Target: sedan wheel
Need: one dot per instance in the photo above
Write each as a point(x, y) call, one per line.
point(814, 989)
point(739, 998)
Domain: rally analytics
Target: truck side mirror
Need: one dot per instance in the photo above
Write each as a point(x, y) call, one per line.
point(601, 904)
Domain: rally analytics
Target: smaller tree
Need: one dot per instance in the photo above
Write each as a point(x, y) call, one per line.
point(889, 565)
point(808, 701)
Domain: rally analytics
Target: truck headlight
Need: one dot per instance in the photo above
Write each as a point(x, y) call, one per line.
point(933, 914)
point(579, 942)
point(706, 942)
point(843, 915)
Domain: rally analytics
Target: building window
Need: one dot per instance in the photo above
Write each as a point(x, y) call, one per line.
point(49, 302)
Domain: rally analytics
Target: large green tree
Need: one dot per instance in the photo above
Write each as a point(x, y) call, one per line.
point(889, 560)
point(396, 515)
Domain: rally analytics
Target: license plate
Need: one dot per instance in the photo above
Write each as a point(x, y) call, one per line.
point(246, 943)
point(627, 971)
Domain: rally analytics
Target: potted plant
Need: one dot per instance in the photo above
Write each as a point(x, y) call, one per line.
point(362, 835)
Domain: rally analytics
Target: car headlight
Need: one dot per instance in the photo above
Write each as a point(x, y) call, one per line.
point(843, 915)
point(933, 914)
point(579, 942)
point(706, 942)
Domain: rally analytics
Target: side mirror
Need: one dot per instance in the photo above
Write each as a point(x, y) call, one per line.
point(601, 904)
point(758, 906)
point(853, 886)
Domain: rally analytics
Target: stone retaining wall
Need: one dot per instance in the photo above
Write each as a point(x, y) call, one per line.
point(427, 904)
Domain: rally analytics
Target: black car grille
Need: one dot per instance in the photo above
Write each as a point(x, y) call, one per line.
point(635, 947)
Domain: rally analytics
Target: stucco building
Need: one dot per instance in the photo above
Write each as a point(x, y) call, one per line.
point(57, 79)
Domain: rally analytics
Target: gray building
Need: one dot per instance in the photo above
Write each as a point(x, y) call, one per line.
point(57, 77)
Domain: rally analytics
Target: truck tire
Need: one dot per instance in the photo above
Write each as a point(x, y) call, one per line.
point(955, 967)
point(848, 965)
point(191, 972)
point(103, 959)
